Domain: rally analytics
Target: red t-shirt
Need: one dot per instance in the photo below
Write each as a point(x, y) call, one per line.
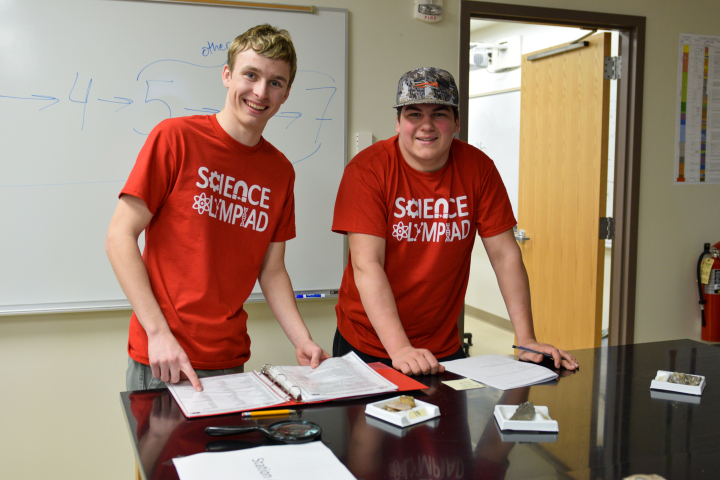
point(429, 222)
point(216, 204)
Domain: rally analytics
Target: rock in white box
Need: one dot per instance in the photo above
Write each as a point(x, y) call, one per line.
point(660, 382)
point(422, 412)
point(541, 422)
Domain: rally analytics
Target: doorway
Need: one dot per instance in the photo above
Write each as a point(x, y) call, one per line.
point(628, 114)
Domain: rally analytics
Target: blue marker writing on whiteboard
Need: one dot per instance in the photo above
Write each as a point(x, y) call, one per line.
point(311, 295)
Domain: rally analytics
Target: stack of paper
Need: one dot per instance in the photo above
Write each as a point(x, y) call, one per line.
point(347, 376)
point(309, 461)
point(500, 372)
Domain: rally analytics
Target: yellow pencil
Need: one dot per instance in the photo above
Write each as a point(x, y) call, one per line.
point(266, 413)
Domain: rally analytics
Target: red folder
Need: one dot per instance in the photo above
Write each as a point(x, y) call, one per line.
point(404, 383)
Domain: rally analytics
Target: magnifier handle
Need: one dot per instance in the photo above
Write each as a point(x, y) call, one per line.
point(228, 445)
point(220, 431)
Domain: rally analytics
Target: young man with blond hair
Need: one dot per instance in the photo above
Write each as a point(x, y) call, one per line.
point(410, 206)
point(216, 203)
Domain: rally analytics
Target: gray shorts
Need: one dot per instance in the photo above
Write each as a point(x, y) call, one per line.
point(139, 376)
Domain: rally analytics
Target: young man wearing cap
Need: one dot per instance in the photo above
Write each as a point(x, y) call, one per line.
point(410, 206)
point(216, 203)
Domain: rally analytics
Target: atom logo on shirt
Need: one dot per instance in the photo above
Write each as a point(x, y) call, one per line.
point(400, 231)
point(202, 203)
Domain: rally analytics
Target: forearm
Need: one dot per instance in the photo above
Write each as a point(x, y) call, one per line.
point(506, 259)
point(379, 303)
point(277, 289)
point(515, 289)
point(130, 270)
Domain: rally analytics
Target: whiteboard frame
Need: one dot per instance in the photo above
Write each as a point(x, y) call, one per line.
point(124, 304)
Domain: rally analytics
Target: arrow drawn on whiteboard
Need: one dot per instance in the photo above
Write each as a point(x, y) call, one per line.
point(293, 115)
point(35, 97)
point(126, 101)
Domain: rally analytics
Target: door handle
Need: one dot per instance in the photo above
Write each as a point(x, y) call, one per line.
point(520, 235)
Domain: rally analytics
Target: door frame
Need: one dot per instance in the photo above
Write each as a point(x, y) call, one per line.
point(628, 135)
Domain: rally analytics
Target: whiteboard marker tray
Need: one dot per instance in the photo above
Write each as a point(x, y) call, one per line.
point(538, 424)
point(421, 413)
point(660, 383)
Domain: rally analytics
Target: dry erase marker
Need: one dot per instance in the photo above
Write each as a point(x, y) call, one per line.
point(267, 413)
point(547, 355)
point(311, 295)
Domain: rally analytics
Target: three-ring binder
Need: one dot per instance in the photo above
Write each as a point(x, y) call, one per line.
point(281, 381)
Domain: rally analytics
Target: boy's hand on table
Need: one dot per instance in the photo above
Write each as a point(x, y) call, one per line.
point(416, 361)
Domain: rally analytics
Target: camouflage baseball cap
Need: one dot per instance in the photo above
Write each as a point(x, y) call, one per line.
point(427, 85)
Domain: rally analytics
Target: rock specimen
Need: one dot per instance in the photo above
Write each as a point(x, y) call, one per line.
point(684, 379)
point(401, 404)
point(525, 411)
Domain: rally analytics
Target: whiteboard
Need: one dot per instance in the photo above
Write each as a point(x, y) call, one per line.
point(494, 128)
point(83, 82)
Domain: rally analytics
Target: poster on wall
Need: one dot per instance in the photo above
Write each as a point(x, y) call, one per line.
point(697, 125)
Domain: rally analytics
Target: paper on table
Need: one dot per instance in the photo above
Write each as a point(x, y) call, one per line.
point(225, 393)
point(346, 376)
point(500, 372)
point(463, 384)
point(308, 461)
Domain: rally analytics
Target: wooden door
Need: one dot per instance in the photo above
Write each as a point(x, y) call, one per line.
point(562, 190)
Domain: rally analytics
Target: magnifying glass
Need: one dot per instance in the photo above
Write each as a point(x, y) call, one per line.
point(288, 431)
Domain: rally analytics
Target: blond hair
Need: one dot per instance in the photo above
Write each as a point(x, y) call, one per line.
point(267, 41)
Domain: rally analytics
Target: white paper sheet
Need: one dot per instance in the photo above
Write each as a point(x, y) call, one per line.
point(500, 372)
point(225, 393)
point(308, 461)
point(346, 376)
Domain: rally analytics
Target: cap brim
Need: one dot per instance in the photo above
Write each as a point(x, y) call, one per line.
point(418, 102)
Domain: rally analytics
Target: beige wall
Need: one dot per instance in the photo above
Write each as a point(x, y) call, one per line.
point(62, 373)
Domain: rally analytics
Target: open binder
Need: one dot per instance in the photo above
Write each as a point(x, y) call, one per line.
point(273, 386)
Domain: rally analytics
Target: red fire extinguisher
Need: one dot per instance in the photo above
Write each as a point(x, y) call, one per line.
point(710, 292)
